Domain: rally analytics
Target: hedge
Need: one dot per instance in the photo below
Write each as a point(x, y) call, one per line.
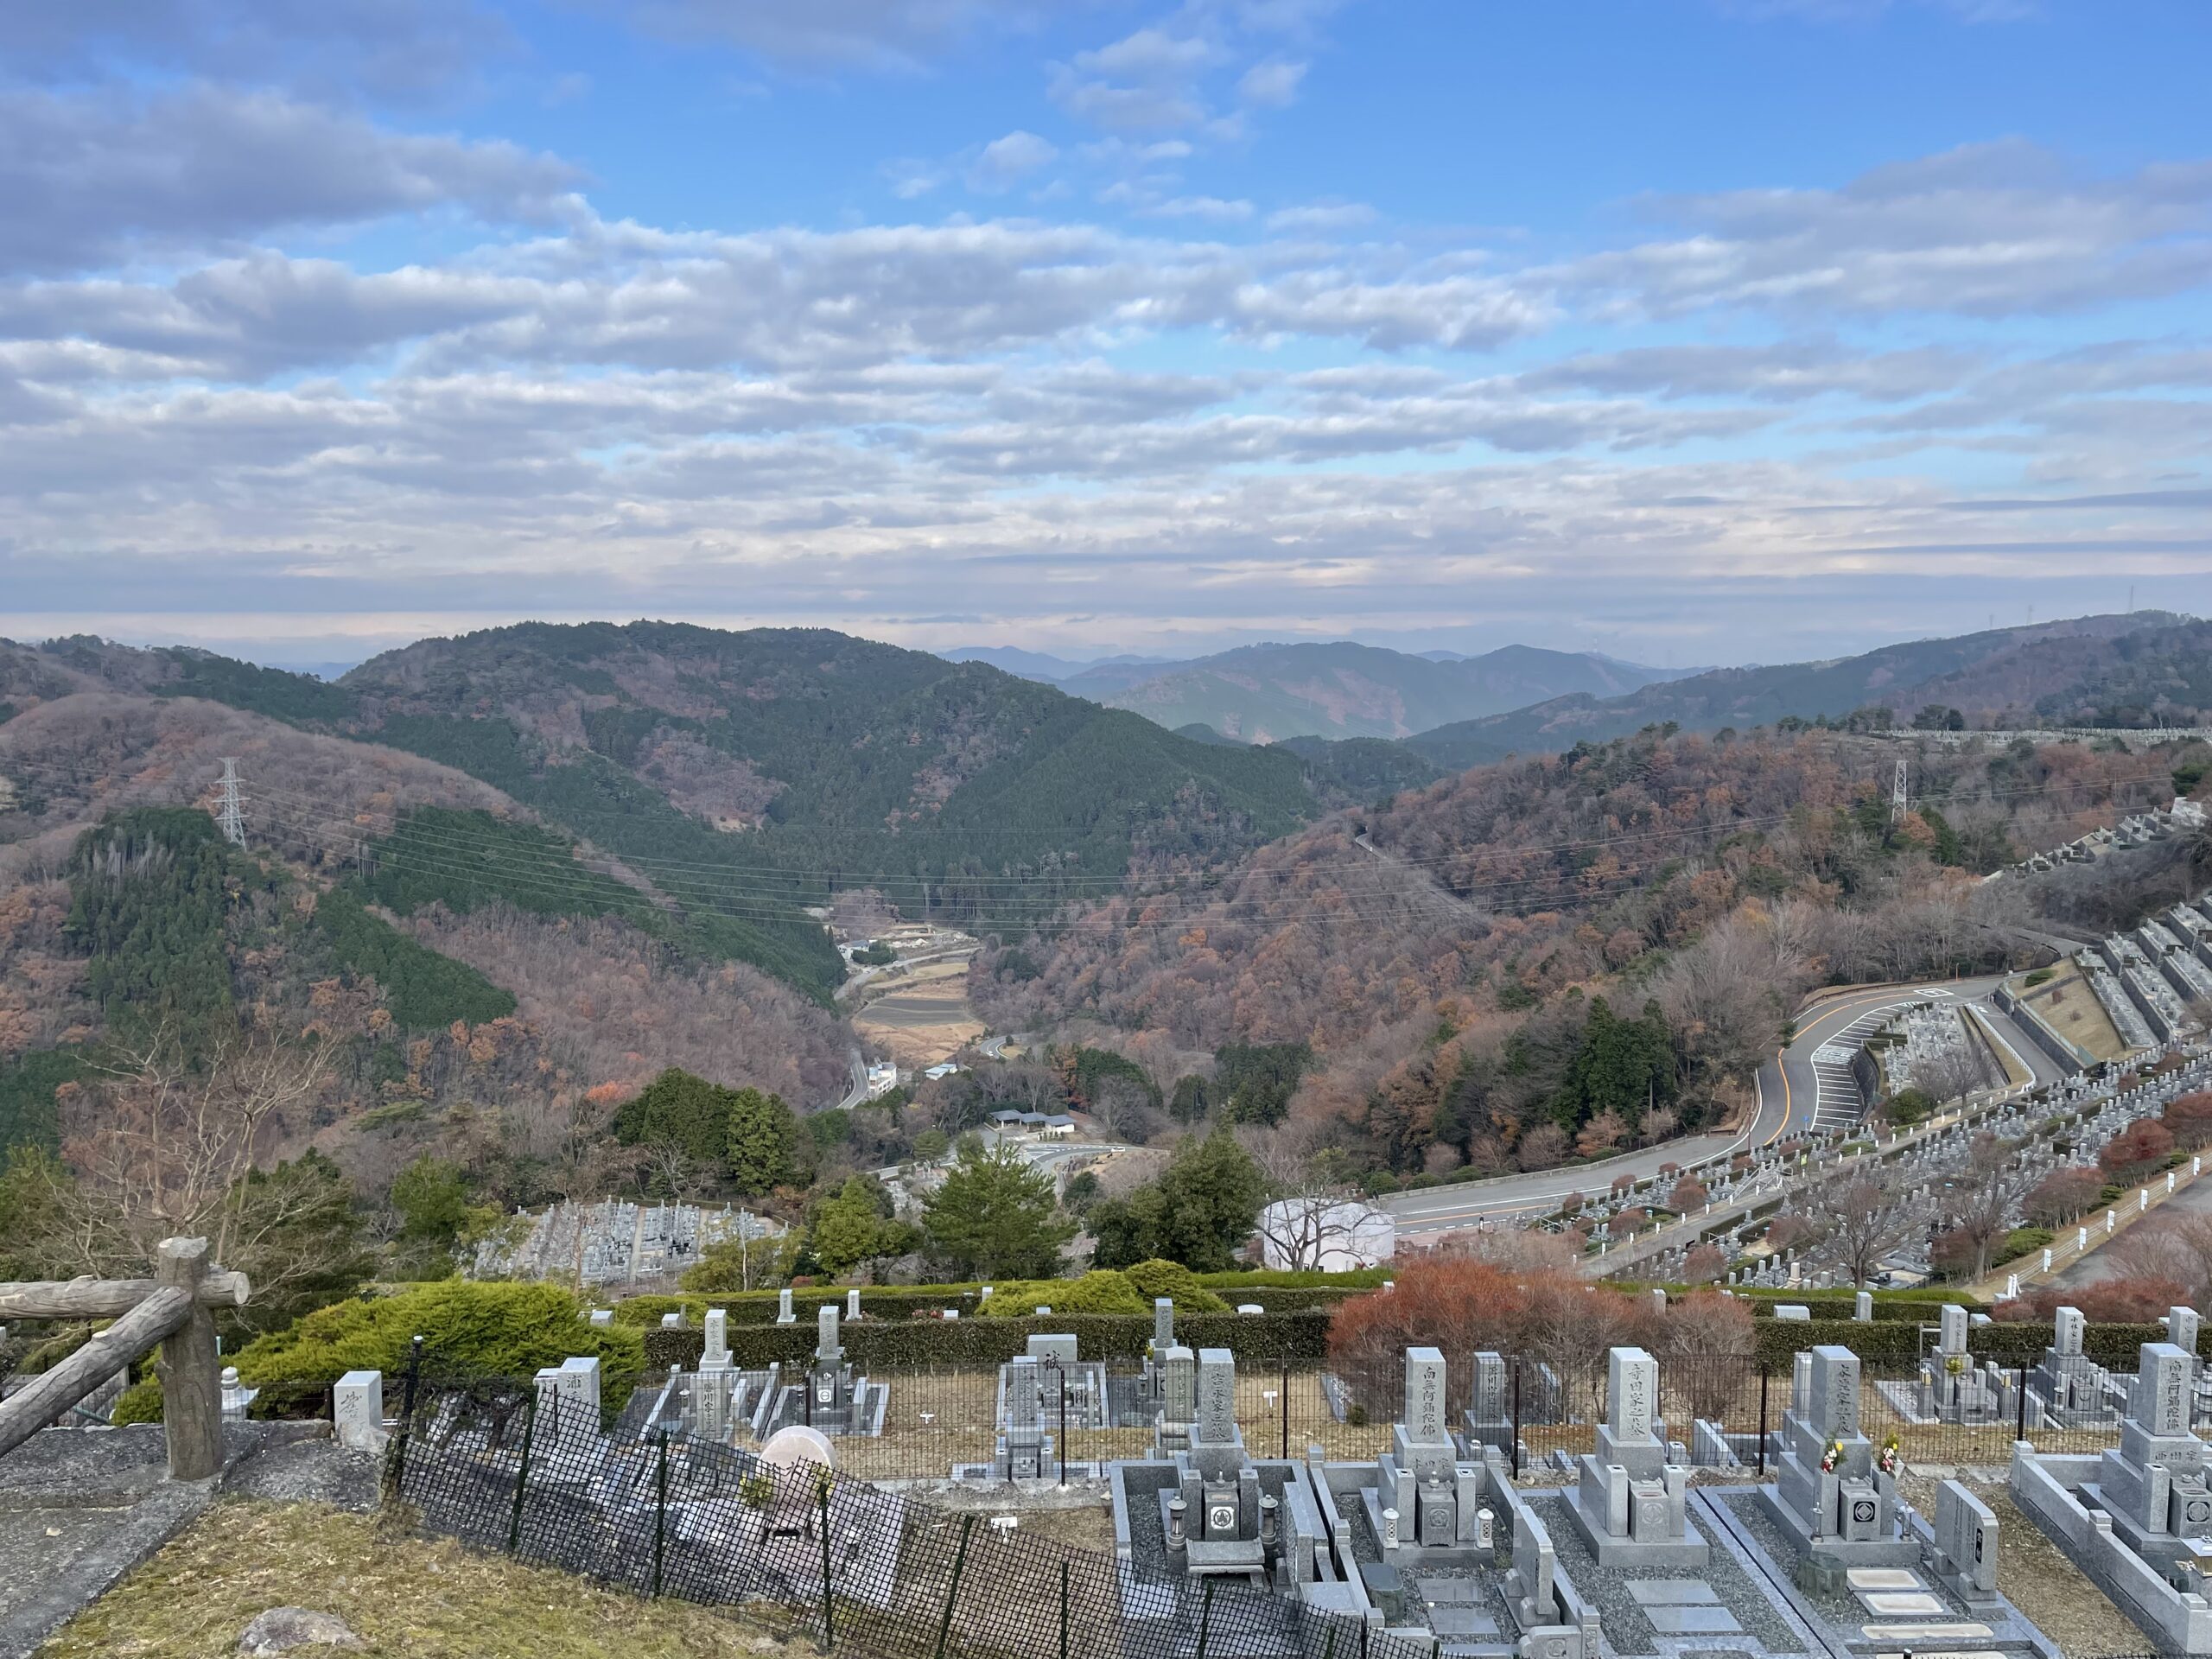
point(1841, 1307)
point(914, 1344)
point(758, 1308)
point(1893, 1347)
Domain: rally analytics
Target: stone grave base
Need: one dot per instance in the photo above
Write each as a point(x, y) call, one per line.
point(2048, 1489)
point(1689, 1551)
point(1836, 1553)
point(1895, 1608)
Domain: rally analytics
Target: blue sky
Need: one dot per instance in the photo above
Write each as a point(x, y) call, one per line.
point(1691, 330)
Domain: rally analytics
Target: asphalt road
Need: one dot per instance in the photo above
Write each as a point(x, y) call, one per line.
point(1805, 1087)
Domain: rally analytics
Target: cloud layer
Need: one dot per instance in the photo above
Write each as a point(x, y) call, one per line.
point(1091, 397)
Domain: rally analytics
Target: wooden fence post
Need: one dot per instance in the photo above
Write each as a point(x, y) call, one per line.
point(192, 1396)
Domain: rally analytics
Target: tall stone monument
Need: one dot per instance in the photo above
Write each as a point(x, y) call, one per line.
point(1421, 1479)
point(1830, 1498)
point(1630, 1504)
point(2153, 1482)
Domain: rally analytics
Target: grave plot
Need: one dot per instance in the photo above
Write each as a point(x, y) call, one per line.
point(1643, 1567)
point(1422, 1543)
point(832, 1396)
point(2138, 1518)
point(1951, 1388)
point(1831, 1540)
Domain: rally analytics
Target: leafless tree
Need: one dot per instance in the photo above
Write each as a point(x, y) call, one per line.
point(1854, 1222)
point(1951, 1073)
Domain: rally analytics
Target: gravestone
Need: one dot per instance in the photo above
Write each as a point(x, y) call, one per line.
point(1832, 1500)
point(1862, 1307)
point(1966, 1542)
point(568, 1399)
point(783, 1313)
point(357, 1411)
point(714, 1390)
point(1058, 1347)
point(1490, 1415)
point(2153, 1483)
point(2067, 1386)
point(1163, 1322)
point(1630, 1502)
point(1436, 1497)
point(1021, 1446)
point(852, 1303)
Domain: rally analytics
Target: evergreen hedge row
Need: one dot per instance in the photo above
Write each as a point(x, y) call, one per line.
point(1892, 1347)
point(895, 1345)
point(758, 1308)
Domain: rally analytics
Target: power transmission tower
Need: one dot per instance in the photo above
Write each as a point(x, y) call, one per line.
point(1899, 801)
point(230, 818)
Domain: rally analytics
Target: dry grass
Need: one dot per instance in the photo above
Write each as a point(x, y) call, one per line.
point(426, 1599)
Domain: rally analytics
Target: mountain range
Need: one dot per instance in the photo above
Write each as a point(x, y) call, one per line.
point(1265, 693)
point(2135, 669)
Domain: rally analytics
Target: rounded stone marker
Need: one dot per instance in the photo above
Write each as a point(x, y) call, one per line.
point(289, 1629)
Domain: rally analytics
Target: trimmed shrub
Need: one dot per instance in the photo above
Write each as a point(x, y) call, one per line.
point(1155, 1279)
point(1104, 1291)
point(470, 1332)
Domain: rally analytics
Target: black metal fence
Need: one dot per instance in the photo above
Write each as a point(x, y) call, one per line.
point(1724, 1409)
point(627, 1497)
point(857, 1566)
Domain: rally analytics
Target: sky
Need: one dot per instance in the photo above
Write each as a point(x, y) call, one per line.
point(1692, 331)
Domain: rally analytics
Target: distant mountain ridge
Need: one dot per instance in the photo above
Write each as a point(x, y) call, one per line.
point(1264, 693)
point(2142, 668)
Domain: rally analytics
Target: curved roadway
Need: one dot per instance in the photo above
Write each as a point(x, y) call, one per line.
point(1805, 1088)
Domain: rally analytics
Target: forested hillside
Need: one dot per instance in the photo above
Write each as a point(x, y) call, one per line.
point(1571, 952)
point(753, 773)
point(462, 954)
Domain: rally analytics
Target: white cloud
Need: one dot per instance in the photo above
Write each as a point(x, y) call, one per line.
point(88, 178)
point(1272, 84)
point(1004, 162)
point(1991, 229)
point(1322, 218)
point(903, 35)
point(1210, 207)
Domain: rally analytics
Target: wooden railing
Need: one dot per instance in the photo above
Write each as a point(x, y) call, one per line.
point(171, 1310)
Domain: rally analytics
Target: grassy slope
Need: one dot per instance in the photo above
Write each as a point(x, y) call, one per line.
point(403, 1596)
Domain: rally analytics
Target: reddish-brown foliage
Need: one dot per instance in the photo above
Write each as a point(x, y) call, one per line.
point(1464, 1304)
point(1689, 1194)
point(2064, 1196)
point(2188, 1118)
point(1704, 1264)
point(2136, 1151)
point(2109, 1301)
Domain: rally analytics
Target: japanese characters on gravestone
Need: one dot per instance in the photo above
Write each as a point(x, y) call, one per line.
point(2153, 1483)
point(1216, 1418)
point(1631, 1504)
point(1830, 1497)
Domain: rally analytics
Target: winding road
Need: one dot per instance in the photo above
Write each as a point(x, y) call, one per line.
point(1805, 1088)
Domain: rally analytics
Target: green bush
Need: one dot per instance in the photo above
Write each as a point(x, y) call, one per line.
point(1104, 1291)
point(1155, 1279)
point(470, 1332)
point(2022, 1240)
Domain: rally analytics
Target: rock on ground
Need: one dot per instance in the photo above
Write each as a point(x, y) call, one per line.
point(288, 1630)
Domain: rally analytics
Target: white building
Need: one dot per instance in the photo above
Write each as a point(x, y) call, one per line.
point(1326, 1235)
